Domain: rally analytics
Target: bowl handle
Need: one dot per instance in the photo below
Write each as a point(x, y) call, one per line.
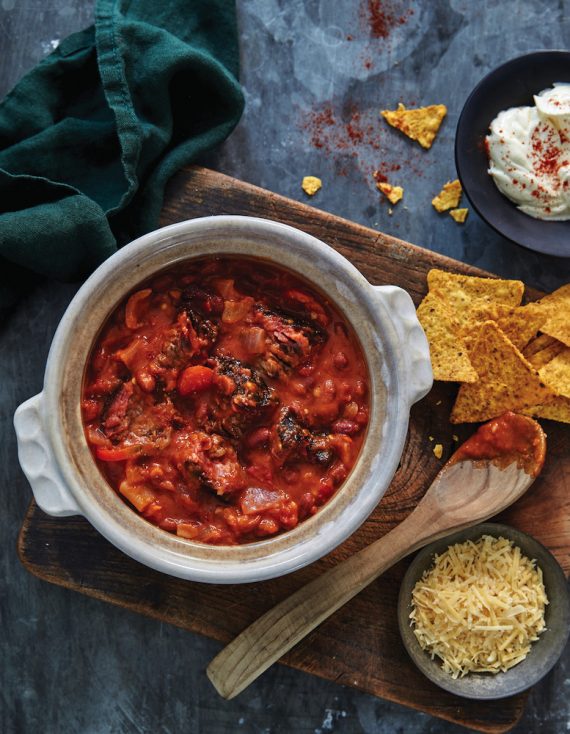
point(38, 462)
point(415, 349)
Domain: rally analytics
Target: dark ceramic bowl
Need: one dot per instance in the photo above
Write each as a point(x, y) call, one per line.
point(543, 654)
point(511, 85)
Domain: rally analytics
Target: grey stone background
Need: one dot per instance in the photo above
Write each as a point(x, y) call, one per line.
point(73, 664)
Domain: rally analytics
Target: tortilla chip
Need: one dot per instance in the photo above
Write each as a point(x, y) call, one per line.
point(557, 410)
point(557, 297)
point(541, 350)
point(421, 124)
point(449, 359)
point(393, 193)
point(449, 197)
point(557, 308)
point(506, 380)
point(558, 327)
point(462, 292)
point(460, 215)
point(556, 373)
point(311, 184)
point(519, 323)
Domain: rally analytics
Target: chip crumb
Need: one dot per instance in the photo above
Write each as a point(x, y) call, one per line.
point(392, 193)
point(438, 451)
point(438, 402)
point(421, 124)
point(460, 215)
point(311, 184)
point(455, 438)
point(390, 211)
point(449, 197)
point(430, 438)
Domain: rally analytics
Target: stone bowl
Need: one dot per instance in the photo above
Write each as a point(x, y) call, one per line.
point(543, 654)
point(55, 456)
point(510, 85)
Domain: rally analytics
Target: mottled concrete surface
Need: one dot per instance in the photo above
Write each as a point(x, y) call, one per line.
point(72, 664)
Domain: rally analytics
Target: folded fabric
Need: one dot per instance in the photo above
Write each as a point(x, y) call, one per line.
point(89, 138)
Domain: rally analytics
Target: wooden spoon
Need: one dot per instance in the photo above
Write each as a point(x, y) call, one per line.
point(485, 475)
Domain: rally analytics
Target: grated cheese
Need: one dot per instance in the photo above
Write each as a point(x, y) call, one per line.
point(479, 607)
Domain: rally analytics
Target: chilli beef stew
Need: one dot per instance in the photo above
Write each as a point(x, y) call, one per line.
point(225, 400)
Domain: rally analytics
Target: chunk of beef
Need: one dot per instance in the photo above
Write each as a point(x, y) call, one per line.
point(204, 301)
point(189, 336)
point(135, 418)
point(291, 439)
point(157, 358)
point(290, 340)
point(241, 397)
point(209, 462)
point(115, 420)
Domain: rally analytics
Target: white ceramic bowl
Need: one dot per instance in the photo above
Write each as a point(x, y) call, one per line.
point(55, 456)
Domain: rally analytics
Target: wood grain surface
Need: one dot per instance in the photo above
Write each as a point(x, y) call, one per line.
point(359, 645)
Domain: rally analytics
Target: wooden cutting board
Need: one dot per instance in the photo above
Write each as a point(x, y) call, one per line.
point(360, 645)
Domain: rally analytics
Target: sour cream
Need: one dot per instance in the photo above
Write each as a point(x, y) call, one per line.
point(529, 154)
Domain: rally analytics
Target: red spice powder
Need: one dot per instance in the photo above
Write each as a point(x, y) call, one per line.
point(331, 134)
point(384, 15)
point(358, 135)
point(547, 152)
point(384, 168)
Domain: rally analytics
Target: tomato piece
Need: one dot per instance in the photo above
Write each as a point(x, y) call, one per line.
point(117, 453)
point(196, 378)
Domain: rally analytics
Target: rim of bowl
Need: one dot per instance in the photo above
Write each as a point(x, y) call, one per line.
point(536, 244)
point(290, 550)
point(526, 673)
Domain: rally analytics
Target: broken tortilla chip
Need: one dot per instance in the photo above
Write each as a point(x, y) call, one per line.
point(449, 197)
point(421, 124)
point(392, 193)
point(541, 350)
point(557, 410)
point(311, 184)
point(556, 373)
point(460, 215)
point(462, 292)
point(506, 380)
point(518, 323)
point(449, 359)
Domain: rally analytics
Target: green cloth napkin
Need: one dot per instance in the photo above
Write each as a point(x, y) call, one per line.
point(89, 138)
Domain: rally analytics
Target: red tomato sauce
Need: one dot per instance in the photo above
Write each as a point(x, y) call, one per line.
point(508, 435)
point(225, 400)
